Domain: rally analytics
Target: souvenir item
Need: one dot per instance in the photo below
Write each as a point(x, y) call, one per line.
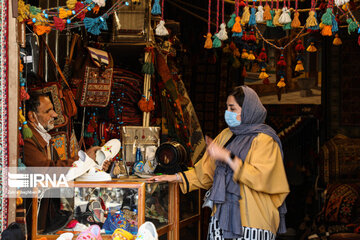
point(80, 166)
point(92, 233)
point(147, 231)
point(95, 175)
point(66, 236)
point(108, 151)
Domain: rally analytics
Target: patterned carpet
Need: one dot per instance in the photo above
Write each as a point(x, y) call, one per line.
point(4, 156)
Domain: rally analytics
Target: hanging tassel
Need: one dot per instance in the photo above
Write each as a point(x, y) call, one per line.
point(252, 19)
point(296, 22)
point(34, 10)
point(208, 41)
point(276, 17)
point(251, 56)
point(231, 22)
point(63, 13)
point(326, 18)
point(285, 17)
point(335, 26)
point(71, 4)
point(246, 16)
point(259, 16)
point(299, 46)
point(244, 54)
point(269, 23)
point(281, 62)
point(299, 66)
point(100, 3)
point(326, 31)
point(148, 68)
point(94, 25)
point(232, 46)
point(267, 14)
point(237, 27)
point(262, 56)
point(23, 94)
point(263, 74)
point(59, 23)
point(216, 43)
point(311, 48)
point(281, 83)
point(337, 41)
point(161, 29)
point(222, 34)
point(23, 11)
point(311, 20)
point(287, 26)
point(236, 52)
point(40, 30)
point(251, 37)
point(244, 73)
point(244, 37)
point(341, 2)
point(96, 9)
point(78, 7)
point(21, 140)
point(156, 9)
point(352, 25)
point(26, 131)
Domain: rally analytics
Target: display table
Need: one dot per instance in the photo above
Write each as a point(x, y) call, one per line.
point(155, 202)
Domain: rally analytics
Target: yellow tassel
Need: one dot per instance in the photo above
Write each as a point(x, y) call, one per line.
point(62, 13)
point(276, 17)
point(296, 22)
point(267, 14)
point(40, 20)
point(281, 83)
point(236, 52)
point(263, 74)
point(321, 26)
point(337, 41)
point(246, 16)
point(71, 4)
point(23, 11)
point(311, 48)
point(244, 54)
point(251, 56)
point(237, 27)
point(345, 7)
point(40, 30)
point(299, 66)
point(311, 20)
point(326, 31)
point(21, 67)
point(208, 41)
point(19, 199)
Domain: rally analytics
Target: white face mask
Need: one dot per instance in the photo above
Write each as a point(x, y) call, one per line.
point(43, 129)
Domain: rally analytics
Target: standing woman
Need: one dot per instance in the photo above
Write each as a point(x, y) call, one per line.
point(244, 166)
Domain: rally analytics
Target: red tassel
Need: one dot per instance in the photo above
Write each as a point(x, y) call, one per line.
point(244, 73)
point(21, 140)
point(251, 37)
point(242, 3)
point(232, 46)
point(299, 47)
point(59, 23)
point(23, 94)
point(78, 7)
point(262, 55)
point(266, 81)
point(281, 62)
point(244, 37)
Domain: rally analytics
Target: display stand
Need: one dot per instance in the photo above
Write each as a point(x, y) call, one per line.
point(174, 222)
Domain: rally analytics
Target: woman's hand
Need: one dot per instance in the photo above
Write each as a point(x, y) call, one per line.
point(215, 151)
point(165, 178)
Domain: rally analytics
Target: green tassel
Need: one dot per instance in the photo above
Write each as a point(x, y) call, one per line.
point(326, 19)
point(34, 10)
point(216, 42)
point(26, 131)
point(231, 22)
point(148, 68)
point(352, 25)
point(269, 23)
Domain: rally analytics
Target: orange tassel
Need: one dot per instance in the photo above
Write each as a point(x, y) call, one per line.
point(244, 54)
point(236, 52)
point(40, 30)
point(281, 83)
point(208, 42)
point(237, 27)
point(267, 14)
point(263, 74)
point(96, 9)
point(21, 67)
point(251, 56)
point(299, 66)
point(311, 48)
point(326, 31)
point(337, 41)
point(276, 17)
point(296, 22)
point(246, 16)
point(244, 73)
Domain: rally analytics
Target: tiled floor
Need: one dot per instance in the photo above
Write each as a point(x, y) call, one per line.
point(293, 98)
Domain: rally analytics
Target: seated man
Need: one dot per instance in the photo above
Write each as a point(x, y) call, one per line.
point(38, 152)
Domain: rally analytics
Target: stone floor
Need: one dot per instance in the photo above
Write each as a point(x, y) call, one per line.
point(293, 98)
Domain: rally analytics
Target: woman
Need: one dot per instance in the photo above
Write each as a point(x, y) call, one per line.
point(248, 179)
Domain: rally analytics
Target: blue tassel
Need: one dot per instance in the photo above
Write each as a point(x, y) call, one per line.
point(252, 20)
point(235, 34)
point(94, 25)
point(216, 42)
point(231, 22)
point(335, 26)
point(88, 1)
point(156, 9)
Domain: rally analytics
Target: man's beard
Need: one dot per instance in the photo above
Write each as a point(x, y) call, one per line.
point(50, 125)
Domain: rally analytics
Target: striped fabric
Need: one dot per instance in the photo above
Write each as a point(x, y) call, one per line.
point(99, 57)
